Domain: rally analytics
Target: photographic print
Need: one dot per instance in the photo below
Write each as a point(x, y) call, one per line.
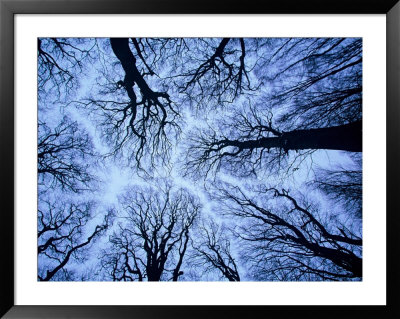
point(199, 159)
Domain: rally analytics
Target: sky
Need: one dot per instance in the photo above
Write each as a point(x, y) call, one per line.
point(97, 79)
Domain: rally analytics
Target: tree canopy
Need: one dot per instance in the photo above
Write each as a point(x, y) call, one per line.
point(239, 159)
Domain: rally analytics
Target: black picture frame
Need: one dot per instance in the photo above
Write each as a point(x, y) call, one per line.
point(8, 8)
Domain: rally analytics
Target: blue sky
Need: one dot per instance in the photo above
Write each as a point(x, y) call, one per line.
point(197, 113)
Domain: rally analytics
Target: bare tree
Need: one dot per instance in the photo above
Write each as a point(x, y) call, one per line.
point(343, 186)
point(136, 119)
point(246, 106)
point(212, 252)
point(317, 81)
point(62, 236)
point(153, 242)
point(65, 155)
point(258, 145)
point(314, 103)
point(284, 239)
point(216, 70)
point(61, 62)
point(136, 103)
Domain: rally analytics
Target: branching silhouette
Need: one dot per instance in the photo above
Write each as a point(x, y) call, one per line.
point(153, 242)
point(314, 104)
point(286, 240)
point(141, 121)
point(60, 60)
point(261, 146)
point(343, 186)
point(212, 252)
point(258, 109)
point(62, 235)
point(220, 74)
point(64, 156)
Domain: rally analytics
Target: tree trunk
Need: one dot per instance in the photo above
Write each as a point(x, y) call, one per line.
point(347, 261)
point(120, 47)
point(153, 275)
point(347, 137)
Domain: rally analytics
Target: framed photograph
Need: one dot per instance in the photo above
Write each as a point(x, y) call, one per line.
point(174, 160)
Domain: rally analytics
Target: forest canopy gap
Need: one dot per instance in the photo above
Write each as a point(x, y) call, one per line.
point(199, 159)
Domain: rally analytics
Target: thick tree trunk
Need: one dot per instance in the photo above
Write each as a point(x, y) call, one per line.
point(153, 269)
point(154, 275)
point(120, 47)
point(347, 261)
point(346, 137)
